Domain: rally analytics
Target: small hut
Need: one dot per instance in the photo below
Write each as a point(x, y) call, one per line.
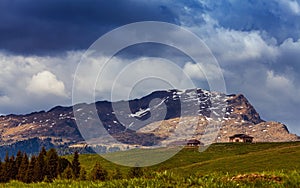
point(241, 138)
point(193, 142)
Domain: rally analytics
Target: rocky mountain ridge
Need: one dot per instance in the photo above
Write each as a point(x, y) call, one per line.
point(136, 122)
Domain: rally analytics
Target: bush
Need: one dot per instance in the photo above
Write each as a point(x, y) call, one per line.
point(76, 165)
point(117, 174)
point(82, 175)
point(135, 172)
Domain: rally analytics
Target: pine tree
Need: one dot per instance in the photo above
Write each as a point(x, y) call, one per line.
point(76, 165)
point(68, 173)
point(23, 168)
point(62, 165)
point(43, 151)
point(30, 170)
point(39, 167)
point(51, 164)
point(13, 171)
point(19, 159)
point(5, 169)
point(43, 154)
point(98, 173)
point(1, 171)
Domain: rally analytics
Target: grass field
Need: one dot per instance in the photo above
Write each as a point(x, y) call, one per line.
point(221, 165)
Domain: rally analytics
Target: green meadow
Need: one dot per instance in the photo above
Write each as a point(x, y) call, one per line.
point(221, 165)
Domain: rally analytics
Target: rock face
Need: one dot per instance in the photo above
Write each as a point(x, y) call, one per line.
point(262, 132)
point(136, 122)
point(241, 109)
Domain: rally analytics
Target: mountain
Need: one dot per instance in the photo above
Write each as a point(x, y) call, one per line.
point(160, 118)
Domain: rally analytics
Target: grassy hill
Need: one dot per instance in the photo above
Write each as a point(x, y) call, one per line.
point(221, 165)
point(221, 157)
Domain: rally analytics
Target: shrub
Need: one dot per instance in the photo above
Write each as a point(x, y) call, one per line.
point(135, 172)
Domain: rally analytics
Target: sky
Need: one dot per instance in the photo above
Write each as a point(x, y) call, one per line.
point(256, 44)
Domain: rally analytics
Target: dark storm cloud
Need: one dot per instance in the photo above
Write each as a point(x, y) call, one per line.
point(257, 44)
point(48, 26)
point(279, 18)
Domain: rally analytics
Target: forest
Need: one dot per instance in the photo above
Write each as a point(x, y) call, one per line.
point(48, 165)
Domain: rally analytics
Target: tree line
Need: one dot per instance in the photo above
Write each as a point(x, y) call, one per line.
point(48, 165)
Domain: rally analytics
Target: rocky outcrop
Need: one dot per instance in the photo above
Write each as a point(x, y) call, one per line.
point(241, 109)
point(262, 132)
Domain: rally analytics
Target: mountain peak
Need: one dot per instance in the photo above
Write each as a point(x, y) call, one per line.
point(134, 122)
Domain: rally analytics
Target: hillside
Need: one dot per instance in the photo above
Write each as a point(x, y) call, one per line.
point(138, 122)
point(220, 157)
point(221, 165)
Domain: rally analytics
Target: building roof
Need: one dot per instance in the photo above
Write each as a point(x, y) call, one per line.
point(193, 141)
point(241, 136)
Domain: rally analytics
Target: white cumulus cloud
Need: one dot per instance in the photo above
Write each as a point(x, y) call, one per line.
point(45, 83)
point(30, 82)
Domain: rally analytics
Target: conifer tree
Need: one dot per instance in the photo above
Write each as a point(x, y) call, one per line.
point(13, 171)
point(43, 154)
point(43, 151)
point(30, 170)
point(19, 159)
point(5, 169)
point(6, 159)
point(62, 165)
point(51, 164)
point(23, 168)
point(1, 171)
point(98, 173)
point(68, 173)
point(39, 166)
point(76, 165)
